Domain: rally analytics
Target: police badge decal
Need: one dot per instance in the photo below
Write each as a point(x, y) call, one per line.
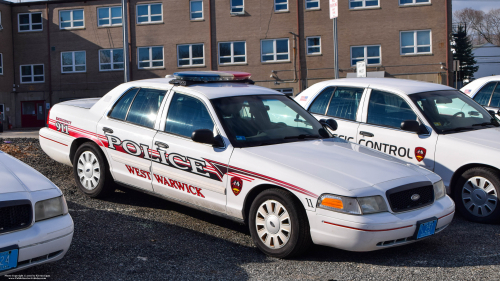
point(236, 185)
point(420, 153)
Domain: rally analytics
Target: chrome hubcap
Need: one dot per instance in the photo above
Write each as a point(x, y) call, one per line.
point(479, 196)
point(273, 224)
point(88, 169)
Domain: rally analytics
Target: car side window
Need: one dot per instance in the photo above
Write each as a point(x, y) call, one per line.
point(320, 104)
point(495, 99)
point(186, 115)
point(483, 96)
point(145, 107)
point(388, 110)
point(344, 103)
point(121, 107)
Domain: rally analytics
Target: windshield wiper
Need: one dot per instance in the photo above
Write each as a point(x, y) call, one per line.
point(302, 136)
point(457, 129)
point(484, 124)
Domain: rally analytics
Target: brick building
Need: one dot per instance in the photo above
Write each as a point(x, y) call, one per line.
point(53, 51)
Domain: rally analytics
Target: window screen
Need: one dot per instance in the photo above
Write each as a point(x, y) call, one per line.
point(388, 110)
point(145, 107)
point(344, 103)
point(187, 114)
point(120, 109)
point(483, 96)
point(320, 104)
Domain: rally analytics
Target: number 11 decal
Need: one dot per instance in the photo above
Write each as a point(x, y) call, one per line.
point(309, 203)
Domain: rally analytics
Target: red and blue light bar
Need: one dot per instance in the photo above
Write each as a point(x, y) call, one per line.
point(206, 76)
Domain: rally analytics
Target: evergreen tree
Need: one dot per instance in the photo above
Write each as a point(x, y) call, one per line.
point(463, 53)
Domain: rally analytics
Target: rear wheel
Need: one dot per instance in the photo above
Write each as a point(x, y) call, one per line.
point(91, 171)
point(476, 195)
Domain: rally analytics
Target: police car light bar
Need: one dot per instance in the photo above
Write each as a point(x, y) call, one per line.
point(211, 76)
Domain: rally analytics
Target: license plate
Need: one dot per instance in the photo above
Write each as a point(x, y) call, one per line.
point(426, 228)
point(8, 259)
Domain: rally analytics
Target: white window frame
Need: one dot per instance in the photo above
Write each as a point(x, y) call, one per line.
point(74, 65)
point(365, 55)
point(232, 56)
point(150, 58)
point(231, 8)
point(110, 17)
point(112, 62)
point(275, 54)
point(314, 46)
point(71, 20)
point(191, 55)
point(414, 3)
point(1, 64)
point(32, 74)
point(149, 14)
point(191, 12)
point(285, 91)
point(364, 4)
point(312, 1)
point(415, 46)
point(30, 24)
point(278, 11)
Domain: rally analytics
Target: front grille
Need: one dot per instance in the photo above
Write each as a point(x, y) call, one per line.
point(400, 198)
point(15, 215)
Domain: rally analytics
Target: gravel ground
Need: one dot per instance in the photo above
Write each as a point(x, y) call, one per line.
point(134, 236)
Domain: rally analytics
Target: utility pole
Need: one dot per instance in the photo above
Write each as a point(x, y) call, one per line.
point(126, 66)
point(334, 13)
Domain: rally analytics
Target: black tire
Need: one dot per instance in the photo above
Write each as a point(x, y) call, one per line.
point(104, 185)
point(299, 238)
point(469, 199)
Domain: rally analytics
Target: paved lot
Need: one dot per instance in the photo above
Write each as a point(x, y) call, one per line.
point(133, 236)
point(20, 133)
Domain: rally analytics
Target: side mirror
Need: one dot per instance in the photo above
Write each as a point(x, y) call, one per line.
point(410, 126)
point(330, 123)
point(207, 136)
point(492, 112)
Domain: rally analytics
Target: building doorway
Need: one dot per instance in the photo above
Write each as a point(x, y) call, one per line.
point(32, 114)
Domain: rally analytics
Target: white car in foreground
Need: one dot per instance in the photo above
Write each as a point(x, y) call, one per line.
point(250, 154)
point(486, 92)
point(431, 125)
point(35, 226)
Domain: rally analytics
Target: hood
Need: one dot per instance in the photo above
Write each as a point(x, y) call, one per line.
point(18, 177)
point(489, 137)
point(344, 164)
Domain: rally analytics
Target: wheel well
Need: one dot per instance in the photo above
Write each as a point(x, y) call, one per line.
point(76, 144)
point(461, 170)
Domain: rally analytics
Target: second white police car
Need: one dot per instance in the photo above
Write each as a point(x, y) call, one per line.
point(250, 154)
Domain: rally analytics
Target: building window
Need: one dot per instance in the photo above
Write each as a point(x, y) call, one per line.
point(196, 9)
point(69, 19)
point(30, 22)
point(314, 45)
point(150, 57)
point(1, 64)
point(232, 52)
point(281, 5)
point(32, 73)
point(312, 4)
point(237, 7)
point(274, 50)
point(72, 62)
point(110, 59)
point(357, 4)
point(190, 55)
point(2, 112)
point(149, 13)
point(413, 2)
point(286, 91)
point(416, 42)
point(109, 16)
point(371, 55)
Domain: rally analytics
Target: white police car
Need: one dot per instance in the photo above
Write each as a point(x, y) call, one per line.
point(250, 154)
point(486, 92)
point(431, 125)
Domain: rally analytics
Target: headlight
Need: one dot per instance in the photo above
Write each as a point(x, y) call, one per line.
point(50, 208)
point(439, 189)
point(353, 206)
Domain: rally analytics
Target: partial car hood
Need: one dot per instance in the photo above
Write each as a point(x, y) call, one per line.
point(489, 137)
point(15, 176)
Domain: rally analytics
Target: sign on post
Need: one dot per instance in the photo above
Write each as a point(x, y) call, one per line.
point(334, 9)
point(361, 69)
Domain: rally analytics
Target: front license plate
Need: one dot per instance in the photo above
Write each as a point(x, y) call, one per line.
point(426, 228)
point(8, 259)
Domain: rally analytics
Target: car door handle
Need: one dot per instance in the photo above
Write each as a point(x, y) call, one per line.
point(107, 130)
point(161, 144)
point(366, 134)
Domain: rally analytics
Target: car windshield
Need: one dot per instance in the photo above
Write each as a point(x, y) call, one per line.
point(452, 111)
point(266, 119)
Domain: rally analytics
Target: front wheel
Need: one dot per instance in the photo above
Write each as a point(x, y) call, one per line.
point(476, 195)
point(278, 224)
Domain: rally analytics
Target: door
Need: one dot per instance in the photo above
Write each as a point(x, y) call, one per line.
point(185, 169)
point(383, 115)
point(341, 103)
point(489, 96)
point(32, 114)
point(129, 129)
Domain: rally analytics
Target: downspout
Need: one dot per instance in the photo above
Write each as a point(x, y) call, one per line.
point(298, 47)
point(129, 42)
point(447, 46)
point(210, 32)
point(49, 65)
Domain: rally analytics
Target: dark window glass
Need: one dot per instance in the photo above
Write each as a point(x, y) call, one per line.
point(320, 104)
point(495, 99)
point(120, 109)
point(483, 96)
point(345, 102)
point(388, 110)
point(187, 114)
point(145, 107)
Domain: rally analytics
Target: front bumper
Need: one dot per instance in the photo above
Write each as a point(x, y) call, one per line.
point(45, 241)
point(376, 231)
